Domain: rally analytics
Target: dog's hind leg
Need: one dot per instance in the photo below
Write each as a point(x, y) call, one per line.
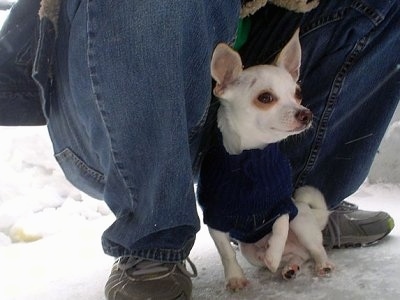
point(234, 276)
point(292, 268)
point(305, 227)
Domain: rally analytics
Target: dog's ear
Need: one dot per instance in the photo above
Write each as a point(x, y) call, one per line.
point(290, 56)
point(226, 65)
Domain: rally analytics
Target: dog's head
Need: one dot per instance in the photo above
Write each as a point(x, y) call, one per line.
point(261, 104)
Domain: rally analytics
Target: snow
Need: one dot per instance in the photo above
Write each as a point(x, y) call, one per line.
point(50, 240)
point(50, 235)
point(386, 167)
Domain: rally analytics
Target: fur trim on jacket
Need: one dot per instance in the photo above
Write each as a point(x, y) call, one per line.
point(250, 7)
point(50, 8)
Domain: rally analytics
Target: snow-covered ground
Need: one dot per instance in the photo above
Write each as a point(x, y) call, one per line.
point(50, 236)
point(50, 240)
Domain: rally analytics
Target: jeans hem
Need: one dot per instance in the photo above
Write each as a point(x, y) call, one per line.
point(164, 255)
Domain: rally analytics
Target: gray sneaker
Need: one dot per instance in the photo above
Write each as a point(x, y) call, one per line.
point(134, 278)
point(350, 227)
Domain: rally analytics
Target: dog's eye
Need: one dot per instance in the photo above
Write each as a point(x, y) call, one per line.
point(298, 95)
point(266, 97)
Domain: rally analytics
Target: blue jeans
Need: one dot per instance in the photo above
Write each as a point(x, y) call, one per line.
point(126, 110)
point(350, 81)
point(128, 103)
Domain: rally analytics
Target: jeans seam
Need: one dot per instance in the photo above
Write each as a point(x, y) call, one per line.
point(322, 21)
point(94, 84)
point(24, 56)
point(372, 14)
point(165, 255)
point(200, 123)
point(329, 108)
point(358, 5)
point(68, 154)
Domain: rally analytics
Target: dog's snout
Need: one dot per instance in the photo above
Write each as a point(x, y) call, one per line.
point(304, 116)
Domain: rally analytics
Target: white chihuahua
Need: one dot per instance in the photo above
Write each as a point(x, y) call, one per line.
point(261, 105)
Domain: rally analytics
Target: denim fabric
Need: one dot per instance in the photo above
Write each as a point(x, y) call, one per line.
point(125, 87)
point(125, 110)
point(19, 97)
point(350, 80)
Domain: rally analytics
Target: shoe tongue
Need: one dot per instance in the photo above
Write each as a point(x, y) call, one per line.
point(148, 268)
point(137, 266)
point(141, 267)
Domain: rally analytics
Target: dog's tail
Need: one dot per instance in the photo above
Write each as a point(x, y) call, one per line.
point(310, 196)
point(315, 200)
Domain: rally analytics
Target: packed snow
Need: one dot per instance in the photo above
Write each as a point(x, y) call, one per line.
point(50, 240)
point(50, 235)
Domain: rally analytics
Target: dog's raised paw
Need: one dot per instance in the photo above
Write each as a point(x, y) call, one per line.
point(272, 261)
point(290, 272)
point(236, 284)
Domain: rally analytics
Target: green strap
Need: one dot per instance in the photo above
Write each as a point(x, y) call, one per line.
point(242, 33)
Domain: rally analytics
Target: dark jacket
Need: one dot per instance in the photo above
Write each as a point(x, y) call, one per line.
point(19, 95)
point(244, 194)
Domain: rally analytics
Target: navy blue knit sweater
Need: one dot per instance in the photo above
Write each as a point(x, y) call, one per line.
point(244, 194)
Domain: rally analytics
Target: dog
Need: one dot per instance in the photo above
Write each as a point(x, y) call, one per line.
point(304, 240)
point(260, 106)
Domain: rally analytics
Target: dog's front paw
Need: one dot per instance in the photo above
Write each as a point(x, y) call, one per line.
point(272, 260)
point(325, 269)
point(237, 283)
point(290, 272)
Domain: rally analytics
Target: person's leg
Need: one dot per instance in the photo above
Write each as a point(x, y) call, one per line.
point(349, 50)
point(132, 92)
point(354, 68)
point(127, 102)
point(360, 101)
point(350, 81)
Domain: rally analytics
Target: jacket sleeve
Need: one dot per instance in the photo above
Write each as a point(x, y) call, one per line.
point(19, 96)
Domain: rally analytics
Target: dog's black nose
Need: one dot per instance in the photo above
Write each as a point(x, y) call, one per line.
point(304, 116)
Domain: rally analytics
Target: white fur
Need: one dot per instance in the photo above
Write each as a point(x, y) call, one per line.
point(50, 9)
point(247, 123)
point(244, 121)
point(302, 241)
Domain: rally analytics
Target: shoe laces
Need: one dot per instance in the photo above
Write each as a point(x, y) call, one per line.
point(345, 206)
point(139, 267)
point(333, 226)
